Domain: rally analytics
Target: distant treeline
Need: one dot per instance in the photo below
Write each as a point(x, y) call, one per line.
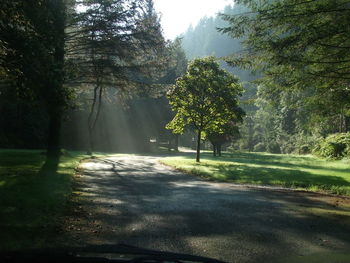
point(281, 118)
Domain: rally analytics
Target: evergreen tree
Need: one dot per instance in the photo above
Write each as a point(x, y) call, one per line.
point(32, 56)
point(118, 45)
point(298, 46)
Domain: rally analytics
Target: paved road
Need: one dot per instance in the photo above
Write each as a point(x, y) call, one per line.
point(135, 200)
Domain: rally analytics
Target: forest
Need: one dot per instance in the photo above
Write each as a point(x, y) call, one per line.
point(296, 94)
point(230, 141)
point(78, 80)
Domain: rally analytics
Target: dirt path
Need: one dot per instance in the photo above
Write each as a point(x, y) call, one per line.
point(137, 201)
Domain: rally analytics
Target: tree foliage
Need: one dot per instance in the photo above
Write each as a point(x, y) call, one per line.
point(228, 132)
point(32, 57)
point(205, 97)
point(117, 45)
point(300, 50)
point(50, 49)
point(304, 41)
point(205, 40)
point(334, 146)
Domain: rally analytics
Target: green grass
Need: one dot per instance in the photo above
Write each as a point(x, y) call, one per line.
point(32, 201)
point(295, 171)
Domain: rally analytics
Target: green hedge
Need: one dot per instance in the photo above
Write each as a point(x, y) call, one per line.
point(334, 146)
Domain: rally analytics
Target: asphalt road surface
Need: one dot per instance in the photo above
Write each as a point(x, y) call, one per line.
point(136, 200)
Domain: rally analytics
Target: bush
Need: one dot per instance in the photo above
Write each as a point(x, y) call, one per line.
point(287, 147)
point(304, 149)
point(260, 147)
point(334, 146)
point(304, 143)
point(273, 147)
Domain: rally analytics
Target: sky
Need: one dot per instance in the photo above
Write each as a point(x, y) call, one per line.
point(178, 15)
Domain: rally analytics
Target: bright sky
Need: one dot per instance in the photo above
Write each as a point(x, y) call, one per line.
point(178, 15)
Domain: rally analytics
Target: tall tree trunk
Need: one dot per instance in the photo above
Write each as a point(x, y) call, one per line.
point(198, 146)
point(90, 143)
point(55, 92)
point(214, 149)
point(219, 149)
point(93, 117)
point(53, 145)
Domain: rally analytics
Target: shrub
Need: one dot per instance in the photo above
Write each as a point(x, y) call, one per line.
point(260, 147)
point(273, 147)
point(287, 147)
point(334, 146)
point(304, 149)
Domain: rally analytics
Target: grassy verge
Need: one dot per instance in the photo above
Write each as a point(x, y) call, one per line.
point(295, 171)
point(32, 202)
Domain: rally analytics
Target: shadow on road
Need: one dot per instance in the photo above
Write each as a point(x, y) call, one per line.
point(142, 203)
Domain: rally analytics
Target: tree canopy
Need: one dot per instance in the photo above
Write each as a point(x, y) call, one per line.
point(304, 41)
point(116, 45)
point(300, 51)
point(51, 50)
point(32, 57)
point(205, 97)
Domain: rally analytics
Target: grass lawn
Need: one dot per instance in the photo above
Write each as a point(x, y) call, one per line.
point(31, 202)
point(295, 171)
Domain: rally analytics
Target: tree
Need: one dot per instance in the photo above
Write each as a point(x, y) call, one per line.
point(205, 97)
point(118, 45)
point(32, 57)
point(305, 41)
point(205, 40)
point(297, 46)
point(227, 133)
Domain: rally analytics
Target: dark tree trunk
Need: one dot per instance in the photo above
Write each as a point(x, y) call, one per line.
point(169, 146)
point(347, 123)
point(90, 142)
point(94, 116)
point(176, 143)
point(55, 92)
point(53, 145)
point(198, 146)
point(219, 149)
point(214, 149)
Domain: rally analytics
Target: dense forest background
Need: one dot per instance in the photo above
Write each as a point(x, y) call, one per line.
point(117, 67)
point(278, 120)
point(280, 117)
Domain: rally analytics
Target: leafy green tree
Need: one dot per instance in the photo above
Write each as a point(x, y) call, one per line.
point(228, 132)
point(205, 97)
point(205, 40)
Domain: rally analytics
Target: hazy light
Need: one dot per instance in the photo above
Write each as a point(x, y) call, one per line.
point(178, 15)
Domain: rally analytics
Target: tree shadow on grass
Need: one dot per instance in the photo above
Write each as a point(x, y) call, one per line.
point(265, 159)
point(272, 169)
point(32, 201)
point(50, 166)
point(288, 161)
point(285, 177)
